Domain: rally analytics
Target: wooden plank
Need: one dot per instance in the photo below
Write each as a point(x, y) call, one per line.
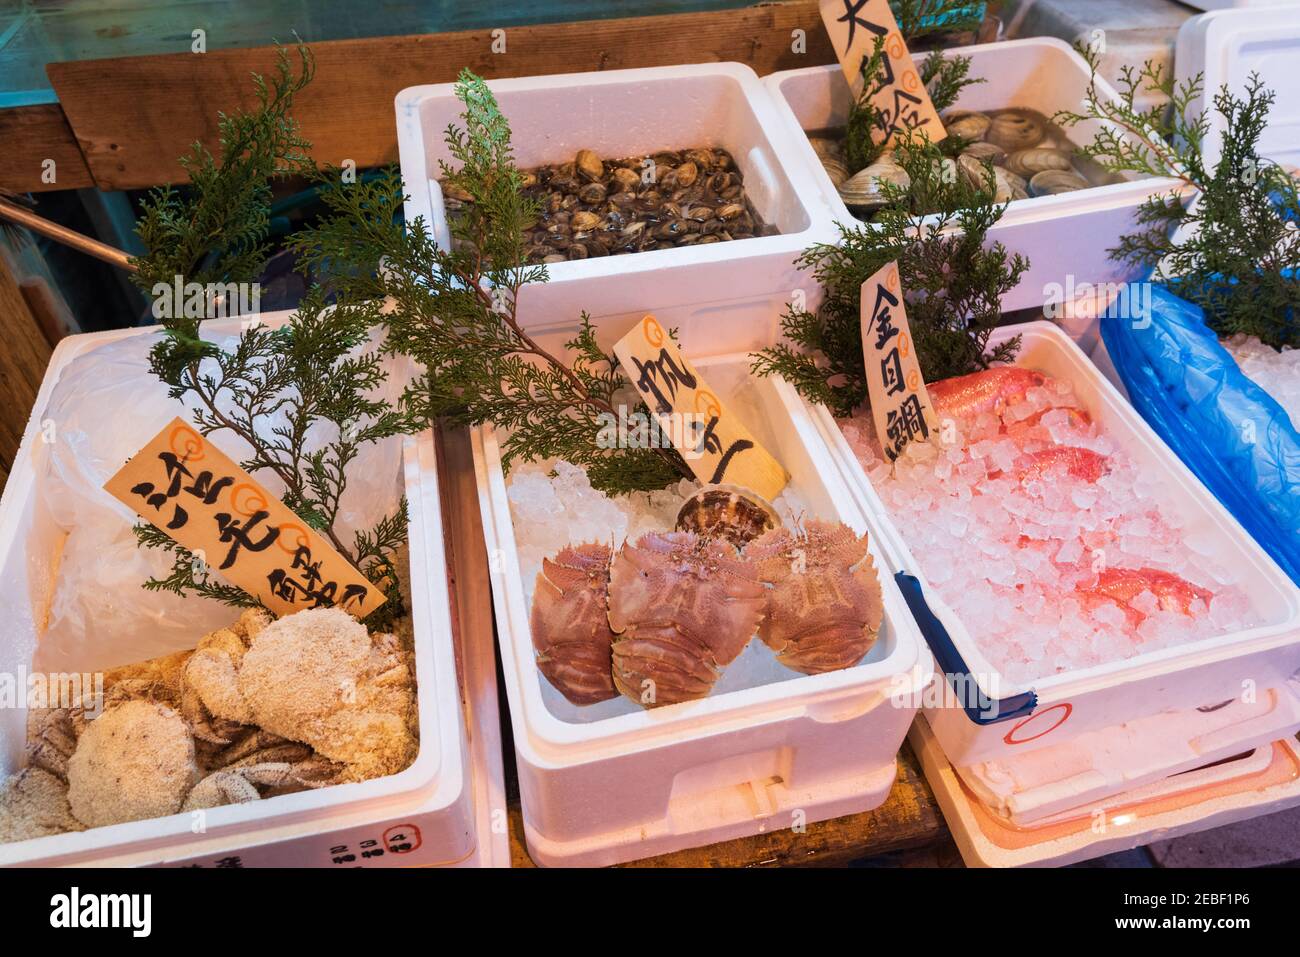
point(133, 116)
point(22, 364)
point(909, 819)
point(33, 134)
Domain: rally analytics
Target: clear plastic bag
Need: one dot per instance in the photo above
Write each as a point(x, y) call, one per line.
point(106, 405)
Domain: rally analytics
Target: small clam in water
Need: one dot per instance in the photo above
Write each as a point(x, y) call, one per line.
point(594, 207)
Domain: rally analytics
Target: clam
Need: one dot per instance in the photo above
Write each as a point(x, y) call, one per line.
point(1016, 130)
point(985, 150)
point(862, 190)
point(836, 170)
point(685, 175)
point(588, 165)
point(624, 179)
point(730, 211)
point(1009, 186)
point(593, 193)
point(1028, 162)
point(584, 222)
point(969, 126)
point(975, 171)
point(1049, 182)
point(703, 159)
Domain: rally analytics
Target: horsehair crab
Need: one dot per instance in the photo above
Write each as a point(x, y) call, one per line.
point(570, 625)
point(317, 677)
point(138, 760)
point(824, 608)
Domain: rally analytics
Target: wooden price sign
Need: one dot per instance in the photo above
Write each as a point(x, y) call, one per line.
point(902, 101)
point(716, 445)
point(214, 509)
point(900, 404)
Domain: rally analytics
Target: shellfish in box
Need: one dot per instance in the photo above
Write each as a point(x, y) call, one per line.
point(570, 624)
point(683, 607)
point(825, 606)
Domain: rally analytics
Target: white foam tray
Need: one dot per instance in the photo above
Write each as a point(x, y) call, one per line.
point(1189, 675)
point(1264, 782)
point(778, 749)
point(620, 113)
point(444, 797)
point(1061, 235)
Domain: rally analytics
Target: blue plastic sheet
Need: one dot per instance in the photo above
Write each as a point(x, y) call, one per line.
point(1228, 430)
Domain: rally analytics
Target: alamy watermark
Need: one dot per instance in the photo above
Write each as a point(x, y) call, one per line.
point(52, 689)
point(1104, 300)
point(685, 431)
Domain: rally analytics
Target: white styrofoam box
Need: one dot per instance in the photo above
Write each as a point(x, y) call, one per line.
point(1264, 782)
point(432, 804)
point(621, 113)
point(1060, 235)
point(1025, 789)
point(766, 744)
point(1226, 47)
point(1185, 676)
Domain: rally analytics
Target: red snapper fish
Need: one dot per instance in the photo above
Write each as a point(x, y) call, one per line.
point(1123, 585)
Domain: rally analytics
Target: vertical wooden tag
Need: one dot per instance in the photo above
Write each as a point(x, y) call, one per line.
point(196, 493)
point(902, 101)
point(900, 404)
point(715, 444)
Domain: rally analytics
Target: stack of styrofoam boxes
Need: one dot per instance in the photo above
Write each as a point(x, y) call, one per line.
point(1061, 236)
point(434, 812)
point(1088, 736)
point(769, 748)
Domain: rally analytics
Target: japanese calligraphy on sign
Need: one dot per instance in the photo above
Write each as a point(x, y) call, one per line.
point(716, 445)
point(902, 101)
point(198, 495)
point(900, 404)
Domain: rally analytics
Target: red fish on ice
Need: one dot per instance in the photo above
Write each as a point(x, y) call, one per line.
point(992, 390)
point(1082, 464)
point(1123, 585)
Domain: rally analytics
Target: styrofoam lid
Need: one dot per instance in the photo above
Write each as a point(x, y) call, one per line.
point(1228, 46)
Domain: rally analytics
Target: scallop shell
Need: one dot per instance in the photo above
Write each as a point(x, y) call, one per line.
point(1028, 162)
point(1016, 130)
point(1052, 181)
point(969, 126)
point(862, 190)
point(728, 512)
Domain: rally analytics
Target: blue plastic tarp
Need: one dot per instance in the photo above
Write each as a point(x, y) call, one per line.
point(1230, 432)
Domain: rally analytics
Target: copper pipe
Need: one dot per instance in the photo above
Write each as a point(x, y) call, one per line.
point(91, 247)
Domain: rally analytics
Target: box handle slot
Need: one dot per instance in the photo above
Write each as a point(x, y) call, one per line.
point(984, 710)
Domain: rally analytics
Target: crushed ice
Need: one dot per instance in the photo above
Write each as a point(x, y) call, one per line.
point(1277, 373)
point(1015, 559)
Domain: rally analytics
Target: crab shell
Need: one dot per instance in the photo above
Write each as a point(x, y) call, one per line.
point(682, 608)
point(825, 607)
point(570, 627)
point(728, 512)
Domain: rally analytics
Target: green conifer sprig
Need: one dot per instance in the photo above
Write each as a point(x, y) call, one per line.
point(273, 387)
point(454, 310)
point(953, 283)
point(1227, 235)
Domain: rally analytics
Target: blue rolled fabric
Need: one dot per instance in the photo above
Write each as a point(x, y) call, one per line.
point(1231, 433)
